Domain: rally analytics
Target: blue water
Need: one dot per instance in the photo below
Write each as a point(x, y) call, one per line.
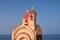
point(45, 37)
point(51, 37)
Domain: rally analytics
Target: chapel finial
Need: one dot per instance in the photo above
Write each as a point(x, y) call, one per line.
point(32, 8)
point(27, 10)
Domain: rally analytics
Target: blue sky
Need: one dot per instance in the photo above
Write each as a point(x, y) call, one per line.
point(48, 14)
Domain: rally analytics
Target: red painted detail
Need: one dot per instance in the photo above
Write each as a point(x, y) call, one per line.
point(32, 12)
point(26, 24)
point(25, 16)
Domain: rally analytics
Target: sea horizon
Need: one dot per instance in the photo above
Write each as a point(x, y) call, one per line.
point(45, 37)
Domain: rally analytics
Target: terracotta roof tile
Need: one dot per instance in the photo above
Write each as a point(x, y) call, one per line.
point(32, 12)
point(25, 16)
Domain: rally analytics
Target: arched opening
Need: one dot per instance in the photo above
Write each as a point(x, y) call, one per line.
point(31, 17)
point(26, 22)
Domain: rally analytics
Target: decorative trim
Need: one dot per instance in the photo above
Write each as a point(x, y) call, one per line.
point(24, 33)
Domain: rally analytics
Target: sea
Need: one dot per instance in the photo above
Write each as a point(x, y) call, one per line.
point(45, 37)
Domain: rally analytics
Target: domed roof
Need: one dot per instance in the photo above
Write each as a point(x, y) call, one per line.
point(32, 12)
point(25, 16)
